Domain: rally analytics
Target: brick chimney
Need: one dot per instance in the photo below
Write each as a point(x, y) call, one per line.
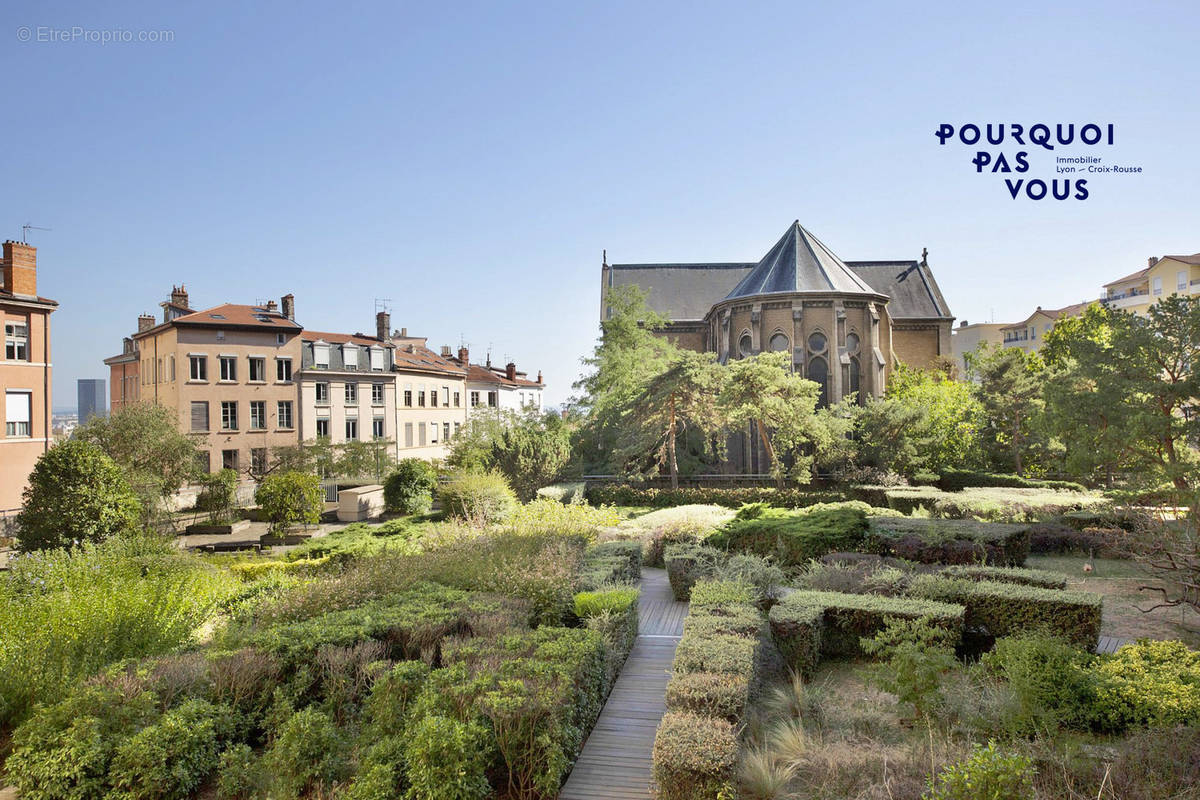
point(1151, 261)
point(19, 268)
point(383, 324)
point(287, 306)
point(445, 351)
point(272, 306)
point(539, 377)
point(510, 371)
point(179, 296)
point(463, 354)
point(145, 322)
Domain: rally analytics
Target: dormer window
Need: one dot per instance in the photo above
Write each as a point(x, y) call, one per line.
point(350, 356)
point(321, 355)
point(377, 359)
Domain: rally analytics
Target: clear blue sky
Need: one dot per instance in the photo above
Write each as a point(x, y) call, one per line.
point(470, 160)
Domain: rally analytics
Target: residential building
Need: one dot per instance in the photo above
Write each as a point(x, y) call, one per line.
point(123, 374)
point(1030, 333)
point(1162, 277)
point(90, 393)
point(347, 387)
point(502, 389)
point(966, 338)
point(24, 372)
point(845, 324)
point(226, 372)
point(431, 397)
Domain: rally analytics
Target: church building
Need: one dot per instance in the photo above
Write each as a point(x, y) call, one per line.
point(846, 324)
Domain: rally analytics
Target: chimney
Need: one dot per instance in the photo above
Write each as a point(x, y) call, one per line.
point(287, 306)
point(145, 322)
point(127, 345)
point(272, 306)
point(962, 324)
point(383, 324)
point(462, 356)
point(445, 351)
point(19, 268)
point(539, 377)
point(510, 371)
point(179, 296)
point(1151, 261)
point(403, 332)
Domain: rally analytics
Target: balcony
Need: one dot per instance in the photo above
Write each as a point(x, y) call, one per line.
point(1127, 299)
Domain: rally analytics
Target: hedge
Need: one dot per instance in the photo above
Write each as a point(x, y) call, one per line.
point(953, 480)
point(996, 504)
point(794, 538)
point(566, 492)
point(1026, 577)
point(686, 564)
point(807, 624)
point(611, 562)
point(715, 694)
point(735, 497)
point(694, 757)
point(950, 541)
point(1007, 608)
point(614, 614)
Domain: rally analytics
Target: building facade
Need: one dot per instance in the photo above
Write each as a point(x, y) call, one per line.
point(500, 389)
point(431, 393)
point(1030, 333)
point(845, 324)
point(25, 372)
point(123, 375)
point(1162, 277)
point(967, 337)
point(90, 394)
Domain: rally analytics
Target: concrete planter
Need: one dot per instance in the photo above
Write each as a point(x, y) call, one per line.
point(207, 529)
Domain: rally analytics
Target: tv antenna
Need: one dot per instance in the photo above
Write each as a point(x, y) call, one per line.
point(26, 228)
point(383, 304)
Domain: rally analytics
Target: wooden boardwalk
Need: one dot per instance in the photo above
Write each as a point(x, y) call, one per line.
point(1110, 644)
point(615, 762)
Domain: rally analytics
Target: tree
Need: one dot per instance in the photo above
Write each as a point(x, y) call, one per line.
point(156, 458)
point(948, 434)
point(287, 498)
point(409, 488)
point(361, 458)
point(1140, 375)
point(529, 450)
point(681, 400)
point(763, 391)
point(75, 494)
point(893, 435)
point(1010, 392)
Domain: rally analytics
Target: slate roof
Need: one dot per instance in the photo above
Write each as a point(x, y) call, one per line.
point(799, 262)
point(336, 354)
point(681, 291)
point(422, 359)
point(909, 285)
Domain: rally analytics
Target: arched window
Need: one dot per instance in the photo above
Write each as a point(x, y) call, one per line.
point(745, 345)
point(852, 343)
point(855, 376)
point(818, 370)
point(817, 342)
point(779, 343)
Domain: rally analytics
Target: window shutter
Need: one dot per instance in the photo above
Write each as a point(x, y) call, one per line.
point(199, 416)
point(17, 407)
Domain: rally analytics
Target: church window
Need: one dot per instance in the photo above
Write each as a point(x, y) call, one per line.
point(818, 370)
point(855, 376)
point(817, 342)
point(779, 343)
point(852, 343)
point(745, 345)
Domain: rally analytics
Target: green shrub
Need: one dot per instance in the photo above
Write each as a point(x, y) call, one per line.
point(172, 757)
point(479, 498)
point(687, 564)
point(741, 620)
point(75, 494)
point(257, 569)
point(950, 541)
point(218, 496)
point(63, 751)
point(953, 480)
point(1149, 683)
point(381, 771)
point(1007, 608)
point(1025, 577)
point(566, 492)
point(710, 693)
point(385, 710)
point(917, 653)
point(611, 562)
point(290, 498)
point(988, 774)
point(543, 517)
point(755, 571)
point(446, 760)
point(728, 497)
point(694, 757)
point(240, 774)
point(721, 653)
point(993, 504)
point(408, 489)
point(1051, 679)
point(722, 593)
point(308, 753)
point(795, 538)
point(618, 600)
point(796, 628)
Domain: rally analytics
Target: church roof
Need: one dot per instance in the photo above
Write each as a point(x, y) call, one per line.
point(909, 285)
point(799, 262)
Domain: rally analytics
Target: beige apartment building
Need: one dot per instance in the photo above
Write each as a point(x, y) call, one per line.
point(227, 372)
point(430, 398)
point(1162, 277)
point(25, 367)
point(967, 337)
point(1030, 333)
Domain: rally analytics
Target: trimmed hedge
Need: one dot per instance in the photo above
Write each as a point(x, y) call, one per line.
point(611, 562)
point(688, 563)
point(950, 541)
point(1007, 608)
point(995, 504)
point(715, 694)
point(566, 492)
point(807, 624)
point(716, 652)
point(614, 615)
point(733, 497)
point(953, 480)
point(695, 756)
point(1026, 577)
point(794, 538)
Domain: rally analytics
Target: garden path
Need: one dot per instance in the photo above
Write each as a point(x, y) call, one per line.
point(615, 761)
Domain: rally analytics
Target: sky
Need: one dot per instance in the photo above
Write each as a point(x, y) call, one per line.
point(469, 162)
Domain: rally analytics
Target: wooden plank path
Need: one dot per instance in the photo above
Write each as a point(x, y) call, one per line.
point(1111, 644)
point(615, 761)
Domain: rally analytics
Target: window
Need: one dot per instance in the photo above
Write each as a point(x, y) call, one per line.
point(284, 412)
point(321, 356)
point(474, 399)
point(221, 338)
point(204, 461)
point(171, 369)
point(1181, 281)
point(16, 341)
point(199, 416)
point(198, 368)
point(258, 370)
point(457, 400)
point(852, 343)
point(258, 415)
point(376, 394)
point(446, 396)
point(457, 427)
point(493, 399)
point(283, 370)
point(421, 397)
point(855, 382)
point(408, 397)
point(351, 429)
point(408, 434)
point(352, 393)
point(445, 431)
point(258, 460)
point(420, 435)
point(229, 415)
point(18, 414)
point(377, 427)
point(779, 343)
point(161, 375)
point(433, 397)
point(322, 394)
point(818, 370)
point(817, 342)
point(228, 368)
point(280, 338)
point(323, 427)
point(377, 359)
point(745, 345)
point(229, 459)
point(350, 356)
point(433, 432)
point(1158, 286)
